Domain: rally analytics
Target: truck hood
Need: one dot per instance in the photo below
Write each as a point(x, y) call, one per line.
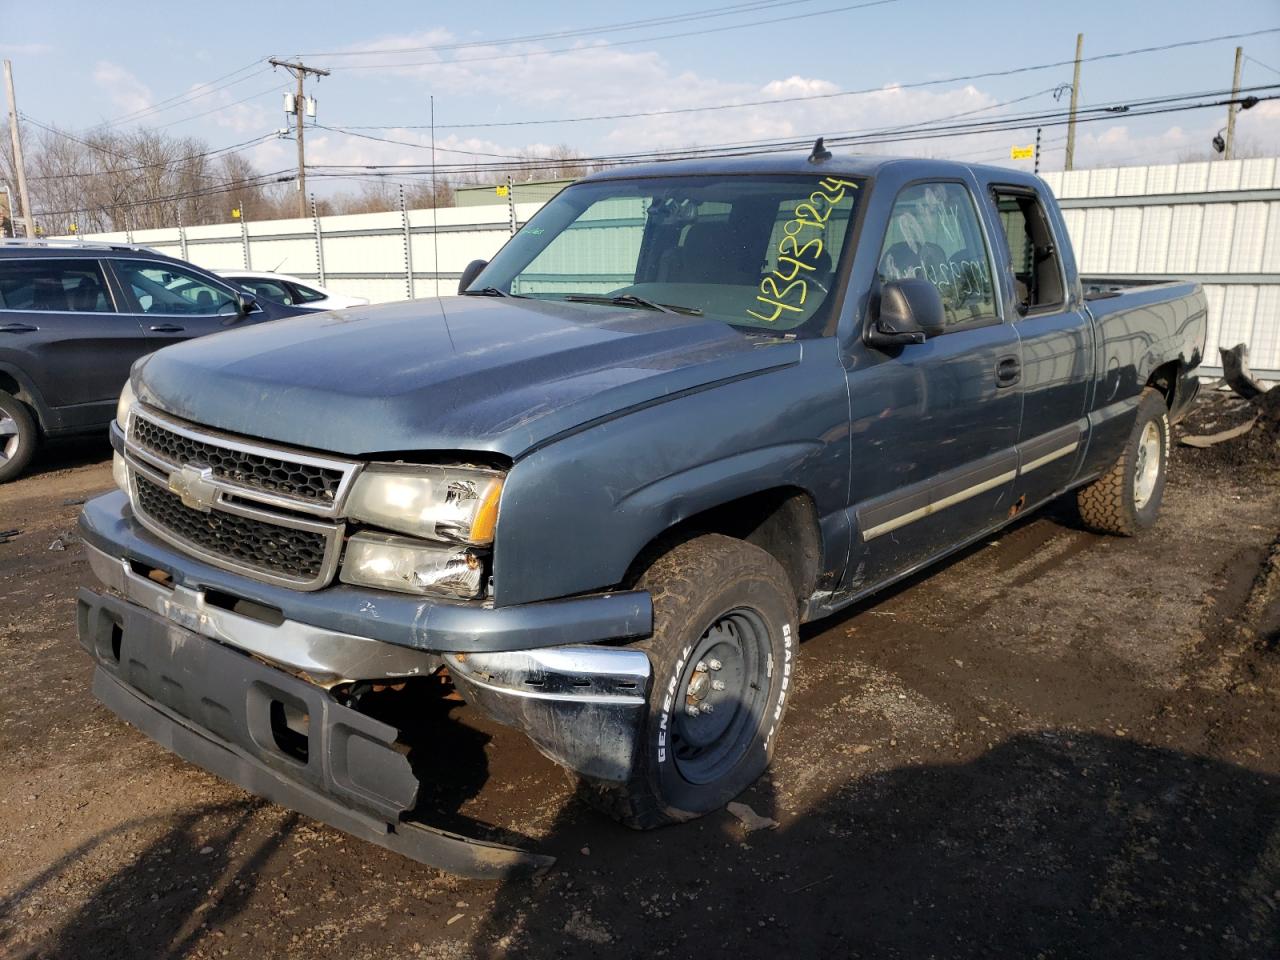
point(458, 373)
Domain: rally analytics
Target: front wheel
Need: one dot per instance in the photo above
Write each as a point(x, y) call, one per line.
point(1127, 497)
point(722, 653)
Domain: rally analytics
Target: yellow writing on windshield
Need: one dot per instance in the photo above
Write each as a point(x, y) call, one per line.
point(786, 288)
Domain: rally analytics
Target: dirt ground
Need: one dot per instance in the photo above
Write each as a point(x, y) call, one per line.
point(1055, 745)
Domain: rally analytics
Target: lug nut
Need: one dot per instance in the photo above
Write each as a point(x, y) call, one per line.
point(717, 684)
point(715, 664)
point(692, 710)
point(702, 666)
point(708, 708)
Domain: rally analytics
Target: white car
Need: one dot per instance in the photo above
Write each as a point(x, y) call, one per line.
point(290, 291)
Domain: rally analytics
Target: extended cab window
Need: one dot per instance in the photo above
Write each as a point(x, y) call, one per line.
point(1036, 266)
point(167, 289)
point(759, 252)
point(68, 286)
point(934, 235)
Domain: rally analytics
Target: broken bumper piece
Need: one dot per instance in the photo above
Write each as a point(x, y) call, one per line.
point(581, 706)
point(271, 733)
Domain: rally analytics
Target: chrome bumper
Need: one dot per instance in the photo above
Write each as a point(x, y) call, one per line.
point(326, 657)
point(583, 707)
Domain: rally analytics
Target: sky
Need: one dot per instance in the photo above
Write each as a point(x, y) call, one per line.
point(80, 64)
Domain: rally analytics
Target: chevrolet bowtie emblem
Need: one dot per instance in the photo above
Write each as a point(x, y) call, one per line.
point(195, 486)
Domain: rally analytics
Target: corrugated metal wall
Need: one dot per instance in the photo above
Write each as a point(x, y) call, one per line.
point(1218, 222)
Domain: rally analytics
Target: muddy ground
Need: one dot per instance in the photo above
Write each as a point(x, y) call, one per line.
point(1055, 745)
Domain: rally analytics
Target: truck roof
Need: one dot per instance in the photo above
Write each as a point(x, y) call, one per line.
point(797, 162)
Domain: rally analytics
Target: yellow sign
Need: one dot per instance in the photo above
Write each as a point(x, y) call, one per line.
point(1022, 153)
point(74, 228)
point(235, 213)
point(500, 189)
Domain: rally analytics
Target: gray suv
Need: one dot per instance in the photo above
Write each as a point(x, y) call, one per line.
point(75, 315)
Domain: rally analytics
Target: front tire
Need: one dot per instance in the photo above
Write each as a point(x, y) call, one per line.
point(722, 653)
point(18, 437)
point(1127, 497)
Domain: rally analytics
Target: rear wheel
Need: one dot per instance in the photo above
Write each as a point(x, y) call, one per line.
point(18, 437)
point(1127, 497)
point(722, 651)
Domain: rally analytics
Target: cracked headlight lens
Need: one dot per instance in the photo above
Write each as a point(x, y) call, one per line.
point(412, 566)
point(458, 504)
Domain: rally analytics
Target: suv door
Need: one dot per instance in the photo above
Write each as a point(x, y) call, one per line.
point(59, 326)
point(175, 301)
point(1057, 344)
point(934, 425)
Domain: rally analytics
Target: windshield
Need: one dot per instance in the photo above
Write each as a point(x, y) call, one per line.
point(758, 252)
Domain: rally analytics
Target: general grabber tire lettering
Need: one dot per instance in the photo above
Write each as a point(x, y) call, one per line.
point(18, 437)
point(1127, 497)
point(722, 654)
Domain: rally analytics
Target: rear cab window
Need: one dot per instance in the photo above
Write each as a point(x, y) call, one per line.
point(54, 284)
point(1034, 258)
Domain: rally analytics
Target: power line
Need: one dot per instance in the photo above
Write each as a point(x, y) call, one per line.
point(276, 88)
point(233, 148)
point(1261, 64)
point(1151, 107)
point(181, 99)
point(259, 180)
point(617, 43)
point(911, 85)
point(707, 14)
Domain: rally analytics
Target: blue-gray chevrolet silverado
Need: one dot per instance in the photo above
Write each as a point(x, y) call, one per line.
point(685, 409)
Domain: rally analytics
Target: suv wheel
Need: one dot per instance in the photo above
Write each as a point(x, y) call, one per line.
point(1127, 497)
point(18, 436)
point(722, 650)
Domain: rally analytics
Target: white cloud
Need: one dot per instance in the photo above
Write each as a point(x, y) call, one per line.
point(126, 92)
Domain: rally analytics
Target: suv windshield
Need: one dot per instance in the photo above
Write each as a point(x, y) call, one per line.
point(758, 252)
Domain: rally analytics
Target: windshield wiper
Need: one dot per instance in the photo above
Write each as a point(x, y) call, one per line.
point(630, 300)
point(489, 292)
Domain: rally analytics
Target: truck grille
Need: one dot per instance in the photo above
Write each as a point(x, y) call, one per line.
point(291, 478)
point(271, 513)
point(280, 551)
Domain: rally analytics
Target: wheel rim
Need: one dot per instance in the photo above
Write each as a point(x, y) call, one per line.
point(1146, 465)
point(9, 438)
point(721, 693)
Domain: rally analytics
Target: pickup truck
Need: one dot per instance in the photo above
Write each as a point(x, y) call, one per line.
point(685, 409)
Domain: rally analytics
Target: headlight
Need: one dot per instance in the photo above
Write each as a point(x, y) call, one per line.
point(124, 405)
point(398, 563)
point(442, 503)
point(119, 472)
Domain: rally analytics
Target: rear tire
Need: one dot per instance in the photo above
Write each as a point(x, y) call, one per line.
point(18, 437)
point(723, 645)
point(1127, 497)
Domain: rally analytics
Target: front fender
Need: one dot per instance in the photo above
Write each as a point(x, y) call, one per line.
point(576, 513)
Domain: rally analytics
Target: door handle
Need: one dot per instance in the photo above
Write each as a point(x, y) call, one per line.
point(167, 328)
point(1008, 371)
point(18, 328)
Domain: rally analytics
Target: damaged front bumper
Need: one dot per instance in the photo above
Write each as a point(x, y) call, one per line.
point(208, 665)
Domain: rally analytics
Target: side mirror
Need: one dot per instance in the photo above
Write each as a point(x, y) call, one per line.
point(469, 274)
point(910, 311)
point(245, 302)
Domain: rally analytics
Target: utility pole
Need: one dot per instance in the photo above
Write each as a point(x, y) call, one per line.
point(300, 71)
point(1036, 165)
point(16, 137)
point(1231, 108)
point(1075, 98)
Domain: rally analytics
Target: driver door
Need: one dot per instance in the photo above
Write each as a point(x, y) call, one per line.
point(174, 302)
point(934, 425)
